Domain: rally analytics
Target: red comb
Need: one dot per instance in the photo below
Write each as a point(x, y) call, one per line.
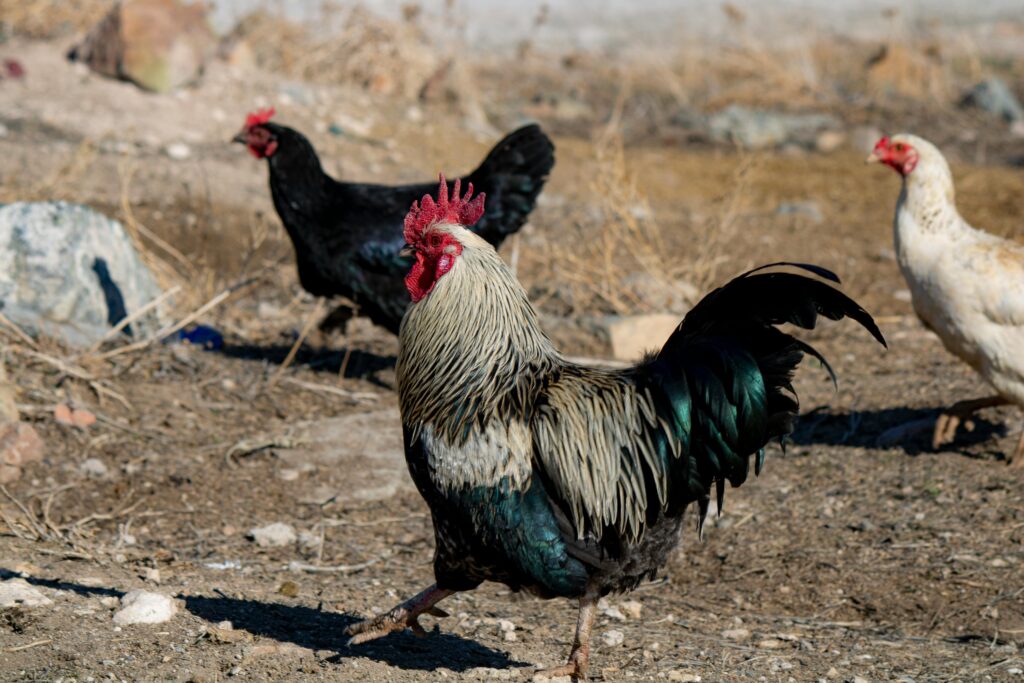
point(883, 143)
point(259, 117)
point(458, 210)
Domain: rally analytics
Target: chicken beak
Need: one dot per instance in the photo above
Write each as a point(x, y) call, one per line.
point(240, 138)
point(873, 158)
point(407, 251)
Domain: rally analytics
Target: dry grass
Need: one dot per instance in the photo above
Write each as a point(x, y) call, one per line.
point(618, 259)
point(50, 18)
point(382, 56)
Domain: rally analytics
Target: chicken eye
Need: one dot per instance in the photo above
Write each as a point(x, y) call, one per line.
point(435, 241)
point(899, 146)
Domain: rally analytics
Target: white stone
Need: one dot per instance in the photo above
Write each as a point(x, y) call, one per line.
point(274, 535)
point(736, 634)
point(94, 468)
point(144, 607)
point(633, 609)
point(613, 638)
point(178, 151)
point(20, 593)
point(683, 677)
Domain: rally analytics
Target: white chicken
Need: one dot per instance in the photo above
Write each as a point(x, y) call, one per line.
point(967, 285)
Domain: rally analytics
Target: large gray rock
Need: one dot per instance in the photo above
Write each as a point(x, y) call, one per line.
point(71, 273)
point(995, 97)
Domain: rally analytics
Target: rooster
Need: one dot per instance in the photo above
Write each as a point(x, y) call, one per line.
point(346, 235)
point(565, 480)
point(966, 285)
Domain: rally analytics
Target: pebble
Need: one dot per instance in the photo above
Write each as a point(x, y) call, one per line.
point(613, 638)
point(632, 608)
point(20, 593)
point(770, 644)
point(1016, 671)
point(94, 468)
point(541, 678)
point(683, 677)
point(178, 151)
point(736, 634)
point(859, 679)
point(507, 630)
point(274, 535)
point(488, 673)
point(144, 607)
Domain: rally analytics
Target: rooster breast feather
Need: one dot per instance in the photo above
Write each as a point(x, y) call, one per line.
point(618, 450)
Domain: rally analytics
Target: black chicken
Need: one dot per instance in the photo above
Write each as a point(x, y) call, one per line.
point(347, 236)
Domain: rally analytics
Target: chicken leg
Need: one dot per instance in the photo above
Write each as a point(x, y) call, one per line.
point(405, 615)
point(579, 658)
point(950, 418)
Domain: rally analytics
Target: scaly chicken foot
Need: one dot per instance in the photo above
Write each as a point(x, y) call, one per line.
point(579, 658)
point(404, 616)
point(950, 418)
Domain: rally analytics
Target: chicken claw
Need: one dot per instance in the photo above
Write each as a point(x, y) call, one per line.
point(404, 616)
point(960, 412)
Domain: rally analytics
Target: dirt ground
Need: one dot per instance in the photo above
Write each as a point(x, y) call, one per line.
point(844, 560)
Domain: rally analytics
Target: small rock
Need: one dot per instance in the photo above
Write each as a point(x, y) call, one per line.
point(829, 141)
point(20, 593)
point(998, 563)
point(178, 151)
point(144, 607)
point(758, 129)
point(541, 678)
point(225, 632)
point(770, 644)
point(632, 608)
point(109, 601)
point(288, 474)
point(274, 535)
point(613, 638)
point(1014, 670)
point(736, 634)
point(93, 468)
point(1017, 129)
point(832, 673)
point(683, 677)
point(289, 589)
point(859, 679)
point(152, 574)
point(507, 629)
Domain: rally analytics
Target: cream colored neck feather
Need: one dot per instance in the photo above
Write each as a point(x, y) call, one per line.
point(467, 347)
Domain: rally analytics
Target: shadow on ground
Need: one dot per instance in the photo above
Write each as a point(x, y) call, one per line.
point(319, 630)
point(360, 364)
point(881, 429)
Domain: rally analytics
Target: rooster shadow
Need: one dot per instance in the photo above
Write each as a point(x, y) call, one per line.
point(909, 429)
point(316, 629)
point(358, 365)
